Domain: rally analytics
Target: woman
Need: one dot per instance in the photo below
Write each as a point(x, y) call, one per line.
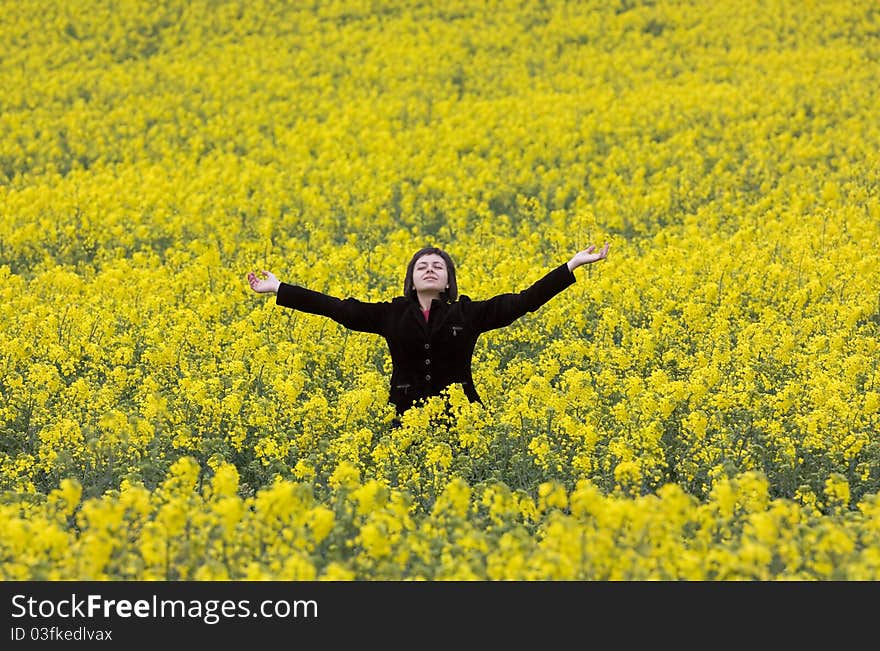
point(431, 331)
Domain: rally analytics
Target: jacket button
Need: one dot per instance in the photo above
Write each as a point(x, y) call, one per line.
point(428, 377)
point(427, 362)
point(427, 346)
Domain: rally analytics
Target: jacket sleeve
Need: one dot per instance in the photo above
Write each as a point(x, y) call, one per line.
point(349, 312)
point(504, 309)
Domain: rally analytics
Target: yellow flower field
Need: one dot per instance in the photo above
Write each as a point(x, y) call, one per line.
point(703, 404)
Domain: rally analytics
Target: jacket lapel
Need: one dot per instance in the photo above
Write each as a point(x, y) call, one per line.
point(439, 314)
point(416, 311)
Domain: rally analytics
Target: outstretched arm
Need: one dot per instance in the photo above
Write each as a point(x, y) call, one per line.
point(351, 313)
point(504, 309)
point(587, 256)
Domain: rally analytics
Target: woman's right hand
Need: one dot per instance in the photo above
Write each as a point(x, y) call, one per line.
point(266, 285)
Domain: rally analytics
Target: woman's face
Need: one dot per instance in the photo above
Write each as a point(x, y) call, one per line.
point(429, 273)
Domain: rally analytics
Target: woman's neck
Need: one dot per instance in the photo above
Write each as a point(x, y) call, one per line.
point(425, 299)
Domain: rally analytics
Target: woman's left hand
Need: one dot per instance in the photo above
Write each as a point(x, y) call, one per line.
point(588, 256)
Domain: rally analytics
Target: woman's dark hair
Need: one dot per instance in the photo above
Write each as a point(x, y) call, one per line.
point(450, 295)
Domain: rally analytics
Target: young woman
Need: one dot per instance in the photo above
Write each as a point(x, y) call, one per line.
point(431, 331)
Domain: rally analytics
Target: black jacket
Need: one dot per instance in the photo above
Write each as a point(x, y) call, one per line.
point(428, 356)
